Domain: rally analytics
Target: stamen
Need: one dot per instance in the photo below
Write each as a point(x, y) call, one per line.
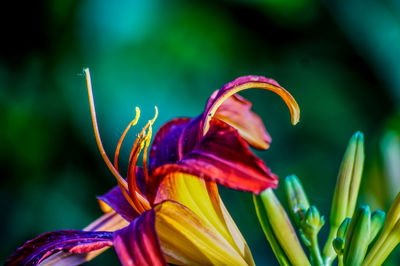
point(155, 115)
point(142, 141)
point(145, 171)
point(132, 123)
point(139, 137)
point(122, 183)
point(132, 177)
point(149, 133)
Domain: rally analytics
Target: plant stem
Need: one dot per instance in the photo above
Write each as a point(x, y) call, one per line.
point(329, 252)
point(315, 253)
point(340, 259)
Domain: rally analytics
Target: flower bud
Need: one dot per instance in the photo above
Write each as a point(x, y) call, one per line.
point(312, 221)
point(279, 230)
point(297, 198)
point(389, 238)
point(357, 237)
point(339, 242)
point(377, 222)
point(348, 182)
point(338, 245)
point(342, 231)
point(346, 190)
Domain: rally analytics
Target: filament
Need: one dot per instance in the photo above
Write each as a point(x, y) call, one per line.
point(149, 133)
point(132, 123)
point(132, 176)
point(122, 183)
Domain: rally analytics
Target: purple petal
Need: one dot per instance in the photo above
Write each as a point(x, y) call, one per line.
point(165, 144)
point(223, 157)
point(138, 244)
point(71, 241)
point(115, 200)
point(140, 180)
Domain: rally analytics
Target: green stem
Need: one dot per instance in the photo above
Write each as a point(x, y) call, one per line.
point(329, 253)
point(340, 258)
point(315, 252)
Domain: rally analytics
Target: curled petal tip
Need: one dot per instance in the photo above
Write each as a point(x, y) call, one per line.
point(248, 82)
point(296, 120)
point(293, 107)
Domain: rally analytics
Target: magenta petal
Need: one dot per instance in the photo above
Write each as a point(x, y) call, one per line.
point(224, 157)
point(72, 241)
point(138, 243)
point(244, 83)
point(215, 97)
point(235, 83)
point(191, 135)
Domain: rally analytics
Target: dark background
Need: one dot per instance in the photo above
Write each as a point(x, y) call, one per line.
point(339, 59)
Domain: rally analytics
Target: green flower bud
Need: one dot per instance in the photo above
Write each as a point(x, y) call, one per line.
point(389, 238)
point(346, 190)
point(393, 215)
point(279, 230)
point(377, 222)
point(339, 242)
point(297, 198)
point(342, 231)
point(357, 238)
point(348, 182)
point(338, 245)
point(312, 221)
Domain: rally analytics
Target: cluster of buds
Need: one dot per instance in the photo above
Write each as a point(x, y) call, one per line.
point(356, 233)
point(352, 233)
point(306, 218)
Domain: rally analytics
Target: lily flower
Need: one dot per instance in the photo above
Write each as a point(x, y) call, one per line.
point(169, 210)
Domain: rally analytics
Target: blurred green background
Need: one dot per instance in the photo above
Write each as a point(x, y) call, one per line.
point(340, 60)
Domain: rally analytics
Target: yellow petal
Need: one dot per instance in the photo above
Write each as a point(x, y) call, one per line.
point(187, 239)
point(203, 199)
